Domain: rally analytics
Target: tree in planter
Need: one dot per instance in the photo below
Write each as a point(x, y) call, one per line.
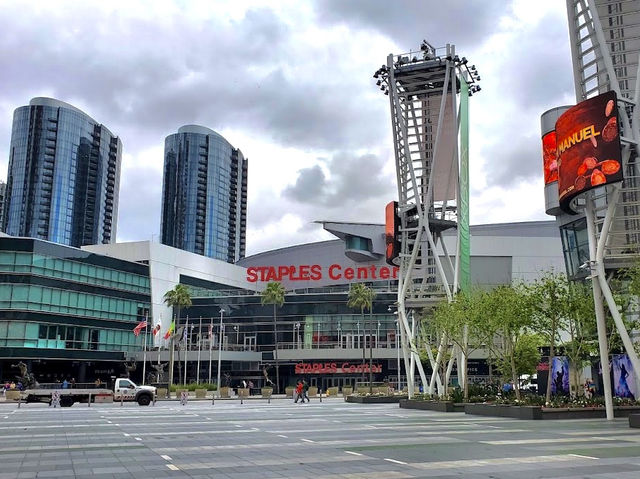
point(361, 297)
point(462, 321)
point(550, 296)
point(177, 298)
point(581, 326)
point(274, 294)
point(508, 312)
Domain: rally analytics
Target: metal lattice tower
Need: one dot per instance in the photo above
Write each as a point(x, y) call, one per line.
point(605, 44)
point(428, 92)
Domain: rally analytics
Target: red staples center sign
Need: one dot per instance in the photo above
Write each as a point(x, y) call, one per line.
point(315, 272)
point(335, 368)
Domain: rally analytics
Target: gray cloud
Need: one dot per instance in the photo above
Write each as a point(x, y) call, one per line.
point(463, 22)
point(238, 74)
point(353, 180)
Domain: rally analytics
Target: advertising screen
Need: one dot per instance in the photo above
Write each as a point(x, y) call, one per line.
point(392, 223)
point(549, 157)
point(588, 147)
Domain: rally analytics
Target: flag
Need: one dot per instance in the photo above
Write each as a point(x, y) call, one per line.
point(141, 325)
point(184, 334)
point(211, 331)
point(156, 330)
point(170, 330)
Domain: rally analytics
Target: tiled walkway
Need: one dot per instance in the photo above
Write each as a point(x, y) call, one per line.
point(324, 440)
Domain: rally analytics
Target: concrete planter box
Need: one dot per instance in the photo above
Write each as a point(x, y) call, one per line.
point(266, 392)
point(288, 391)
point(634, 420)
point(243, 392)
point(346, 391)
point(372, 399)
point(12, 395)
point(201, 393)
point(179, 392)
point(313, 391)
point(333, 391)
point(161, 393)
point(224, 392)
point(440, 406)
point(541, 413)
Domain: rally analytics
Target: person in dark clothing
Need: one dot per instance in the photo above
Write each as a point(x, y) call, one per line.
point(305, 391)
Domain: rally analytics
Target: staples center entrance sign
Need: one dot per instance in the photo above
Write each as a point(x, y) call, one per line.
point(315, 272)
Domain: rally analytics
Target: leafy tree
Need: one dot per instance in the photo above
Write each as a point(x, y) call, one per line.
point(361, 297)
point(274, 294)
point(527, 353)
point(550, 296)
point(508, 312)
point(177, 298)
point(462, 321)
point(581, 326)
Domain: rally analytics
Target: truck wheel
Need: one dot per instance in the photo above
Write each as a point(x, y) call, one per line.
point(144, 400)
point(66, 401)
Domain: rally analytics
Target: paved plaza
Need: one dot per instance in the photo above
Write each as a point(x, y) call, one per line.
point(325, 440)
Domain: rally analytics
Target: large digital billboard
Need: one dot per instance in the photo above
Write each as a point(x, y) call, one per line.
point(588, 147)
point(550, 157)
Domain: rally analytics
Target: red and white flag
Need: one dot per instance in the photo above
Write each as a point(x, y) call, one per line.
point(156, 330)
point(141, 325)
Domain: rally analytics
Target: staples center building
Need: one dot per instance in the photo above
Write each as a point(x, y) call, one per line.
point(318, 336)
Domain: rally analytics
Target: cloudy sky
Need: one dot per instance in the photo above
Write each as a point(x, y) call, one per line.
point(290, 84)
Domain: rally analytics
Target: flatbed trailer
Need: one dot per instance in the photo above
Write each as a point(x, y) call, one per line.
point(124, 390)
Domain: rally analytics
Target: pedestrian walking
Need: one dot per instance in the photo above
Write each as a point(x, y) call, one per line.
point(298, 392)
point(305, 391)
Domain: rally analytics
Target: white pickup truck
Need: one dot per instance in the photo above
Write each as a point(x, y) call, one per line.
point(124, 390)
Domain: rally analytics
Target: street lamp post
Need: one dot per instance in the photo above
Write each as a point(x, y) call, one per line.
point(296, 329)
point(236, 328)
point(220, 349)
point(398, 350)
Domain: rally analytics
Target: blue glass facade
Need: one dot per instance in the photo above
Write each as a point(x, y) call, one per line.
point(68, 312)
point(64, 175)
point(204, 197)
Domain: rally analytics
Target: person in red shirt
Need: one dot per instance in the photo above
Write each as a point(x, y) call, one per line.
point(299, 391)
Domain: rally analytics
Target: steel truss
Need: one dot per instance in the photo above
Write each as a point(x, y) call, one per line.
point(600, 64)
point(423, 89)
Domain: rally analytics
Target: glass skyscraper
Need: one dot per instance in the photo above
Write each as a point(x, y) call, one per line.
point(64, 176)
point(204, 195)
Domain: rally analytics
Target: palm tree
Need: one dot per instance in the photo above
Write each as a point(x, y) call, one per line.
point(178, 298)
point(361, 296)
point(274, 294)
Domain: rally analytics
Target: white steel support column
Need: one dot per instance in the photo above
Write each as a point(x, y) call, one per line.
point(614, 234)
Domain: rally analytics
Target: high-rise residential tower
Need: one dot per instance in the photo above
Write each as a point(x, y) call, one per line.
point(3, 197)
point(204, 195)
point(64, 176)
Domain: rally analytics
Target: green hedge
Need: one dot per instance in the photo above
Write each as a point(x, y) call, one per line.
point(193, 386)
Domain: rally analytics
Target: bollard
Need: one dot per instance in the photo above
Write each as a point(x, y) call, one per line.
point(241, 400)
point(320, 395)
point(19, 401)
point(269, 400)
point(213, 399)
point(121, 400)
point(89, 403)
point(155, 398)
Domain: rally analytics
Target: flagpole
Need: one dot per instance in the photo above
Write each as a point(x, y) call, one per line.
point(199, 350)
point(159, 342)
point(185, 337)
point(144, 347)
point(210, 344)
